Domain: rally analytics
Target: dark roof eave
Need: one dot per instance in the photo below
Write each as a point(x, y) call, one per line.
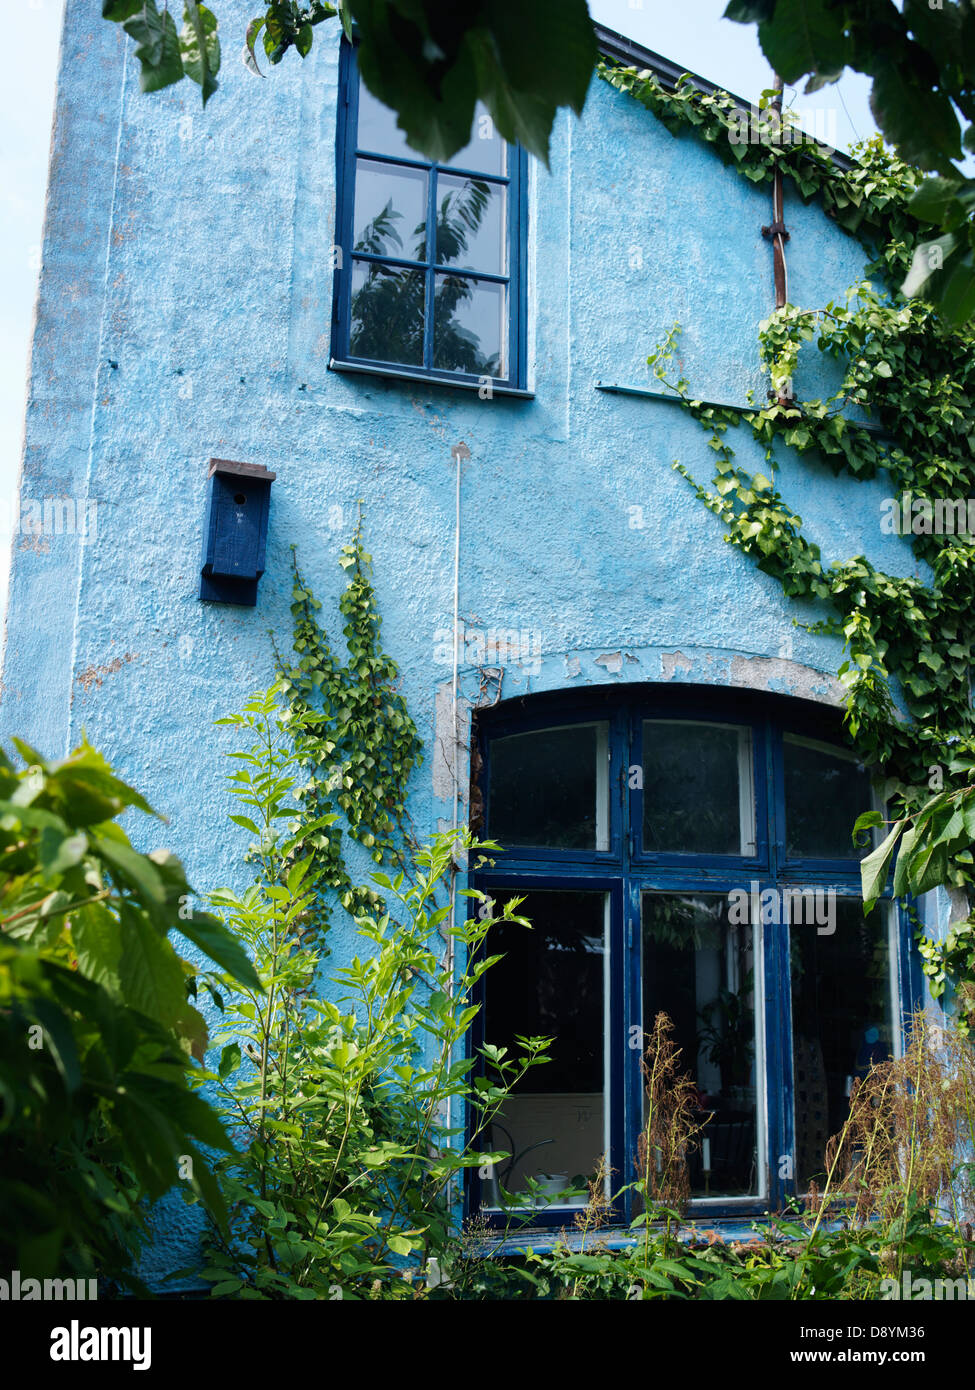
point(634, 55)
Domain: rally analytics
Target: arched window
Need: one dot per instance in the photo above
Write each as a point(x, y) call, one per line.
point(687, 851)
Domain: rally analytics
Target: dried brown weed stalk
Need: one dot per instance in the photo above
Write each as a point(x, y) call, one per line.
point(910, 1133)
point(671, 1125)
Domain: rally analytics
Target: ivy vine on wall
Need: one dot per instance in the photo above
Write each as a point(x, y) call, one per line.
point(353, 735)
point(908, 645)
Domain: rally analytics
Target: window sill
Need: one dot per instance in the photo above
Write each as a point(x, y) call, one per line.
point(393, 374)
point(544, 1239)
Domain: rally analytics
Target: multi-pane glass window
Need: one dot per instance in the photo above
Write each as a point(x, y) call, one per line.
point(429, 278)
point(676, 858)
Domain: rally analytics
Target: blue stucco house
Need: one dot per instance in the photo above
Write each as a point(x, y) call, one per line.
point(643, 725)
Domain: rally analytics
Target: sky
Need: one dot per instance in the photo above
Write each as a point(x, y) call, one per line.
point(691, 33)
point(32, 31)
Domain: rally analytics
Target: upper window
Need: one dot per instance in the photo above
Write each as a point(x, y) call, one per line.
point(429, 277)
point(679, 857)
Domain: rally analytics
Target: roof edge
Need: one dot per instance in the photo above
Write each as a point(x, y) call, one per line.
point(631, 54)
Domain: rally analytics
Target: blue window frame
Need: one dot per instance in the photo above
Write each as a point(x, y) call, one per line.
point(430, 270)
point(685, 851)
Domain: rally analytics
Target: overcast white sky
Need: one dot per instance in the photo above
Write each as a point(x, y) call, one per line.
point(692, 33)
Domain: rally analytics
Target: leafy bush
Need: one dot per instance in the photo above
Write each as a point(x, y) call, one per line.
point(97, 1028)
point(350, 1108)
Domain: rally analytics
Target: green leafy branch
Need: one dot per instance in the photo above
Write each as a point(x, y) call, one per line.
point(430, 63)
point(339, 1097)
point(165, 54)
point(97, 1027)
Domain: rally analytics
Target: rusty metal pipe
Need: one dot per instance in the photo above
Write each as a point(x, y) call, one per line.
point(777, 231)
point(779, 234)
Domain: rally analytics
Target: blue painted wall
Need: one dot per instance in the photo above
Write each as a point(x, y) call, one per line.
point(184, 313)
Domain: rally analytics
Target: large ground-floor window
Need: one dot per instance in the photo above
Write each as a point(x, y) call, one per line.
point(688, 852)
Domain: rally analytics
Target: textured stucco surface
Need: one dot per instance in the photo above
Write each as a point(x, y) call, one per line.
point(184, 313)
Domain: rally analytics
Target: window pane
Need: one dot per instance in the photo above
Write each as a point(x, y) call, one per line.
point(486, 151)
point(698, 788)
point(387, 313)
point(824, 794)
point(470, 224)
point(469, 326)
point(698, 968)
point(551, 982)
point(390, 211)
point(377, 128)
point(841, 1022)
point(551, 788)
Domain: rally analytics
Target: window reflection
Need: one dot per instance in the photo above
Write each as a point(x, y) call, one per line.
point(468, 326)
point(378, 130)
point(470, 224)
point(465, 330)
point(698, 788)
point(390, 211)
point(387, 313)
point(486, 151)
point(551, 788)
point(825, 791)
point(698, 968)
point(551, 982)
point(841, 1023)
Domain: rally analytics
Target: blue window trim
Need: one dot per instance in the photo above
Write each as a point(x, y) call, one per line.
point(625, 874)
point(516, 181)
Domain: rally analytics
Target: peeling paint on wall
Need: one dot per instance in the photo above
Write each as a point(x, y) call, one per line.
point(612, 661)
point(450, 751)
point(787, 677)
point(673, 665)
point(94, 675)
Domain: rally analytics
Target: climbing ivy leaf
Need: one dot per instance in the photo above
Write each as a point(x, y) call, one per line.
point(120, 10)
